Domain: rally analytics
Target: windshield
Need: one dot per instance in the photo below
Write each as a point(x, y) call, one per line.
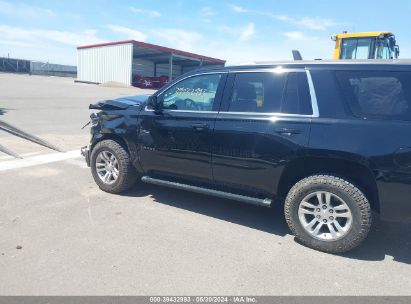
point(357, 48)
point(368, 48)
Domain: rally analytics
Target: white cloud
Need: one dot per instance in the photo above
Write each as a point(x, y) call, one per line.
point(24, 10)
point(310, 23)
point(240, 52)
point(242, 10)
point(127, 32)
point(318, 24)
point(247, 32)
point(239, 9)
point(207, 11)
point(237, 52)
point(19, 44)
point(295, 35)
point(44, 45)
point(238, 33)
point(177, 38)
point(25, 35)
point(206, 14)
point(150, 13)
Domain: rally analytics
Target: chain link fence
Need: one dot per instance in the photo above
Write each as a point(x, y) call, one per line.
point(12, 65)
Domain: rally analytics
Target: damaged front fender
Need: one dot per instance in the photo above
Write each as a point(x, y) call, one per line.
point(120, 103)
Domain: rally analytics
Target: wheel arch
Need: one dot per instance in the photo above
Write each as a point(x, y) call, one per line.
point(109, 136)
point(356, 172)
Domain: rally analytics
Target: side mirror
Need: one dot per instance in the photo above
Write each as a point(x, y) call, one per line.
point(153, 102)
point(392, 42)
point(397, 51)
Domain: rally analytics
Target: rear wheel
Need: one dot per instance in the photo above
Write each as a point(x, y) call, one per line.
point(328, 213)
point(111, 167)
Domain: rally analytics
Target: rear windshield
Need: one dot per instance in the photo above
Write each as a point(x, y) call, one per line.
point(377, 94)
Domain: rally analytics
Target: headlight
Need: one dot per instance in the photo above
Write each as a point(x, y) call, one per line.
point(94, 119)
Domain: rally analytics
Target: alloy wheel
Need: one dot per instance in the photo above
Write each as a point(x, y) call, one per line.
point(107, 167)
point(325, 216)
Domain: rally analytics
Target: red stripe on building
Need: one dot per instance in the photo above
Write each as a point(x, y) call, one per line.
point(155, 47)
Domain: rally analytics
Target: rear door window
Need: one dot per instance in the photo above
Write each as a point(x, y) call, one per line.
point(377, 94)
point(286, 93)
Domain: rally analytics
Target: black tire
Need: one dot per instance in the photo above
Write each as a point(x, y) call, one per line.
point(350, 194)
point(127, 176)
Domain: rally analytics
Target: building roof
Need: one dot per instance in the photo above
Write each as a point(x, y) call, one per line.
point(163, 49)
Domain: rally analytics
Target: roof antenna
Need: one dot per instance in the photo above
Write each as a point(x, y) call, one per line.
point(297, 55)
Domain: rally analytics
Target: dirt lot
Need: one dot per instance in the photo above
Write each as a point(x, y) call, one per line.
point(61, 235)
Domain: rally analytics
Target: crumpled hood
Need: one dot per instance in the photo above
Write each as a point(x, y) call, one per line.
point(120, 103)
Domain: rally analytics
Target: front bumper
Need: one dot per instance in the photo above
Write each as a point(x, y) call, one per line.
point(85, 151)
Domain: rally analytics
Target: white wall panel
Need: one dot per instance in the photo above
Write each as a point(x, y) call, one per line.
point(105, 63)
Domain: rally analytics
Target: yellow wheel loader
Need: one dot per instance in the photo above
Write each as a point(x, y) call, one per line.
point(365, 45)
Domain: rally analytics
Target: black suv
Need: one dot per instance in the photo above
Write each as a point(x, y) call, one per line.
point(331, 141)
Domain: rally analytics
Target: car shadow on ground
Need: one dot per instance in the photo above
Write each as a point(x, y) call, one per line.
point(385, 239)
point(260, 218)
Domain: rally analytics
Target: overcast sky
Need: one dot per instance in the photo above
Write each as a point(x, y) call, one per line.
point(237, 31)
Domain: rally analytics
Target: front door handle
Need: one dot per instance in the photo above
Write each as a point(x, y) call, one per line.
point(200, 126)
point(288, 131)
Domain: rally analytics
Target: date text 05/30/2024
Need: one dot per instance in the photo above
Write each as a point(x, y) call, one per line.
point(205, 299)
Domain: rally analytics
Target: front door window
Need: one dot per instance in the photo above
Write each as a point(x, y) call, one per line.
point(196, 93)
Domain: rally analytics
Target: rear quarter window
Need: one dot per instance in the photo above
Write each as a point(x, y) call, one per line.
point(377, 94)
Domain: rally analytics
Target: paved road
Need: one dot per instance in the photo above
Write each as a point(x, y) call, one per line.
point(76, 239)
point(54, 108)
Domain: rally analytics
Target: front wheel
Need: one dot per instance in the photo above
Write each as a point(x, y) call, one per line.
point(328, 213)
point(111, 167)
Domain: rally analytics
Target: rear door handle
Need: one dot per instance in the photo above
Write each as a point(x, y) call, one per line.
point(288, 131)
point(200, 126)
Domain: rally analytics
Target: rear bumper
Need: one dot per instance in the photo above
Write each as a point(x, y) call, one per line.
point(85, 151)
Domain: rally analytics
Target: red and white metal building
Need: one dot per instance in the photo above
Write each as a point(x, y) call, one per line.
point(134, 62)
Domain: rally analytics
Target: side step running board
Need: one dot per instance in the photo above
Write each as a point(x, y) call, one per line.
point(246, 199)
